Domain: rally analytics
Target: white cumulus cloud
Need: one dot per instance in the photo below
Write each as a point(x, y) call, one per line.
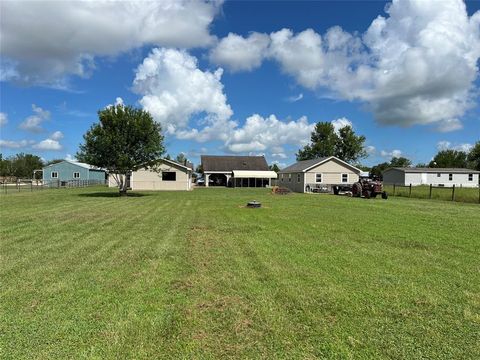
point(33, 122)
point(48, 145)
point(57, 135)
point(265, 133)
point(447, 145)
point(42, 41)
point(417, 65)
point(238, 53)
point(11, 144)
point(341, 123)
point(3, 118)
point(391, 154)
point(174, 89)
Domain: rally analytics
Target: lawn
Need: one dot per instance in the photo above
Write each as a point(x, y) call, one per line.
point(461, 194)
point(85, 274)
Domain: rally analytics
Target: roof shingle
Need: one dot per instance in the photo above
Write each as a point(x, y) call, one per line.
point(230, 163)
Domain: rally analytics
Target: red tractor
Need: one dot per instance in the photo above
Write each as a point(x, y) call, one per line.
point(368, 188)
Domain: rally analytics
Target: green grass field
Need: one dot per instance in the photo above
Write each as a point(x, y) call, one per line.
point(470, 195)
point(85, 274)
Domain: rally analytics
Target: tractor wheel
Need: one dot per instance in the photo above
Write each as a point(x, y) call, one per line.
point(357, 190)
point(384, 195)
point(367, 194)
point(374, 194)
point(336, 190)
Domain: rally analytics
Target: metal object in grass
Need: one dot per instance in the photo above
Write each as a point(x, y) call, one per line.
point(254, 204)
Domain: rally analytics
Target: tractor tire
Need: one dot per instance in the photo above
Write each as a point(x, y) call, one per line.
point(374, 195)
point(357, 190)
point(367, 194)
point(336, 190)
point(384, 195)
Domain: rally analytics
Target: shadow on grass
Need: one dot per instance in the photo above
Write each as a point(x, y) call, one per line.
point(111, 194)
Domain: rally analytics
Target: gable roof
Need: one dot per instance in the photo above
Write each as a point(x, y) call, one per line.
point(435, 170)
point(77, 163)
point(230, 163)
point(305, 165)
point(189, 165)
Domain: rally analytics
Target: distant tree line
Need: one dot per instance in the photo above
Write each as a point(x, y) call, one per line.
point(21, 165)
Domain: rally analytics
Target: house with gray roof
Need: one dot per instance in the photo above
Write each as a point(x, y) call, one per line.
point(319, 174)
point(68, 172)
point(434, 176)
point(236, 171)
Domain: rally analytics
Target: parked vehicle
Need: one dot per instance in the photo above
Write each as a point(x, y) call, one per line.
point(365, 187)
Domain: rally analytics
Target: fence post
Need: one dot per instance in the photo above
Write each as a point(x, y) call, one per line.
point(410, 191)
point(453, 192)
point(31, 186)
point(393, 189)
point(430, 195)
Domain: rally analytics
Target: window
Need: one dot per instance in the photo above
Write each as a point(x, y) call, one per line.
point(318, 178)
point(344, 178)
point(169, 176)
point(76, 175)
point(470, 177)
point(298, 177)
point(54, 175)
point(438, 174)
point(289, 177)
point(450, 177)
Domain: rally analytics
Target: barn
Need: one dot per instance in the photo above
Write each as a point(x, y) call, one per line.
point(318, 175)
point(68, 172)
point(167, 175)
point(431, 176)
point(236, 171)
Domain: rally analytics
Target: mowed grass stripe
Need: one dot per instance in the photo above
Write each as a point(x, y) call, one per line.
point(196, 275)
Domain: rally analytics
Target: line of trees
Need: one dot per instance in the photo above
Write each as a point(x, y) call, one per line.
point(21, 165)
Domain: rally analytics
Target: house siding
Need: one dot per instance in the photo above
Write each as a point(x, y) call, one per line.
point(331, 171)
point(147, 179)
point(394, 176)
point(65, 172)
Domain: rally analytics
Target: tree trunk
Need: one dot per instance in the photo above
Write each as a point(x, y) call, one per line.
point(122, 186)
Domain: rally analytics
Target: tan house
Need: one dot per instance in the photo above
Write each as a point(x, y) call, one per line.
point(167, 175)
point(318, 175)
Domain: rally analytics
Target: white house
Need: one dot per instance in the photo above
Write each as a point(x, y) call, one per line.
point(321, 173)
point(434, 176)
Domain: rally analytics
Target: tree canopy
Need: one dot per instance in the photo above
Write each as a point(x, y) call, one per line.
point(20, 165)
point(474, 157)
point(125, 139)
point(449, 159)
point(274, 167)
point(345, 144)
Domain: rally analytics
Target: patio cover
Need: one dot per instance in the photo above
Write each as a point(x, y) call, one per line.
point(254, 174)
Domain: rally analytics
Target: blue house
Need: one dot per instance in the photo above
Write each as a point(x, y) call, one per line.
point(71, 172)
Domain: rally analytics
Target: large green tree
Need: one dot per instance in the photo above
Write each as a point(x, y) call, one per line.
point(125, 139)
point(400, 162)
point(474, 157)
point(20, 165)
point(274, 167)
point(345, 145)
point(449, 159)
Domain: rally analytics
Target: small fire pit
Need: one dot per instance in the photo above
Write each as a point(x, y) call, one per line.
point(254, 204)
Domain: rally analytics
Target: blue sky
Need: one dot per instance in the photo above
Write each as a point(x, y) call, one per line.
point(408, 80)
